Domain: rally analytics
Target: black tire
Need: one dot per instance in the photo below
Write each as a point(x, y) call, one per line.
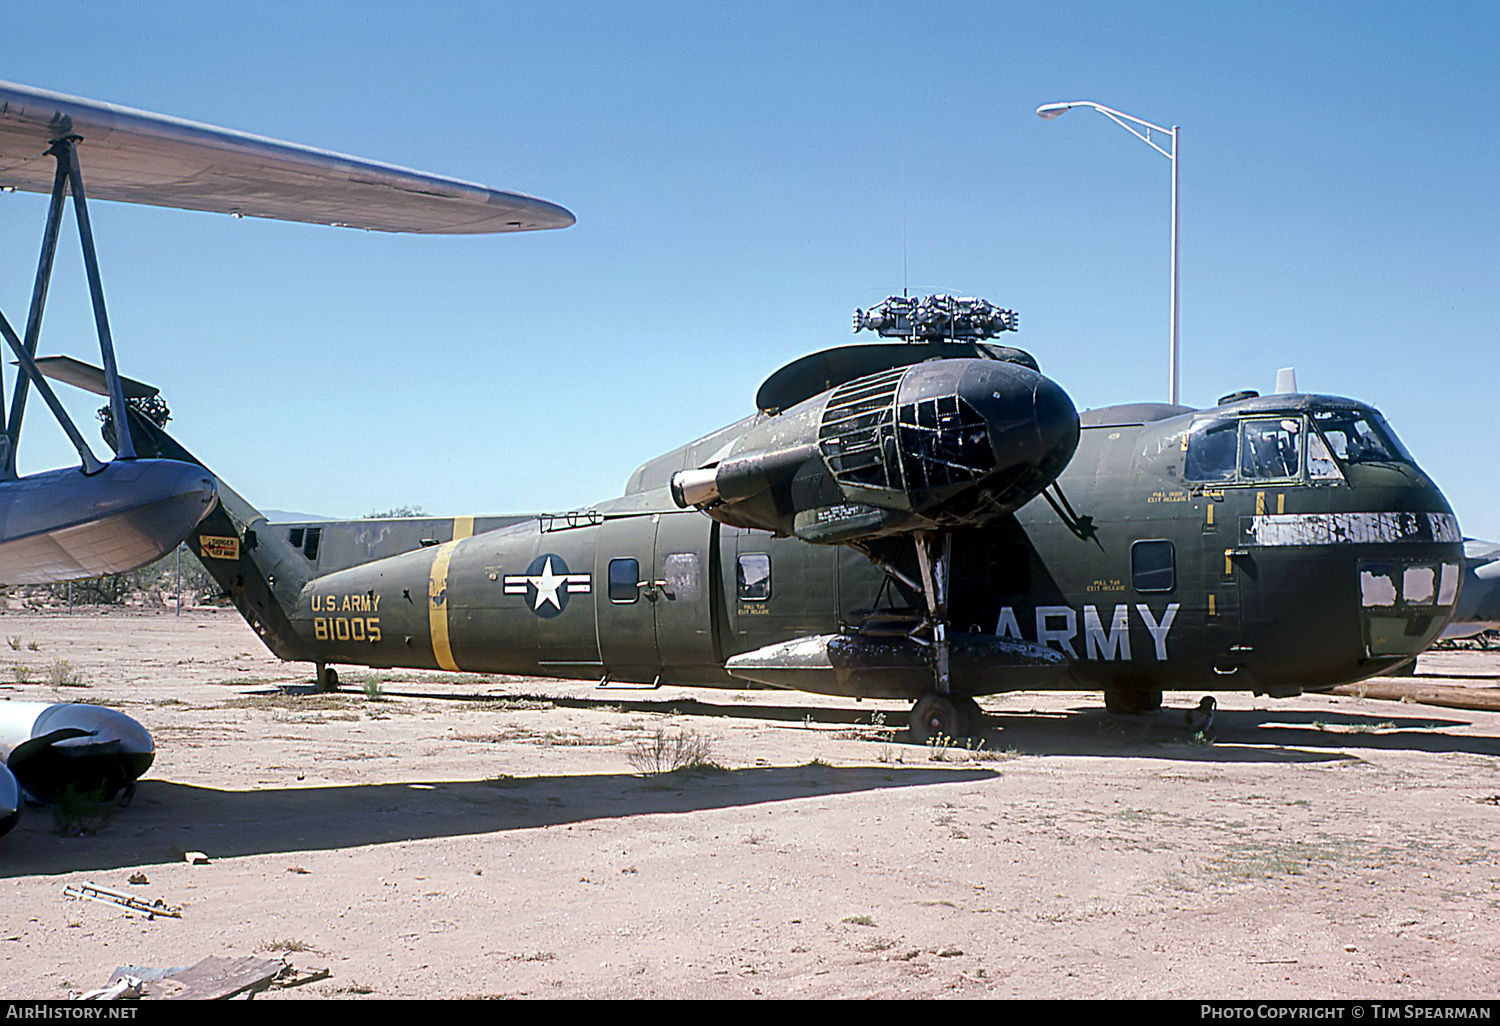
point(934, 715)
point(328, 678)
point(1130, 702)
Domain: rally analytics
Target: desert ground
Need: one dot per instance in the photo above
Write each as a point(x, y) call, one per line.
point(439, 835)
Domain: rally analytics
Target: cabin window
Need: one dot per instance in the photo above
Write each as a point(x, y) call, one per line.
point(1211, 449)
point(1408, 584)
point(753, 577)
point(1270, 449)
point(624, 580)
point(1153, 565)
point(680, 571)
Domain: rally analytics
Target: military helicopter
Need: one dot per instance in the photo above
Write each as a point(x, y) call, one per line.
point(926, 517)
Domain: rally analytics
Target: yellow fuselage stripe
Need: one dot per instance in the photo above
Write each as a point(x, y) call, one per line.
point(463, 527)
point(437, 602)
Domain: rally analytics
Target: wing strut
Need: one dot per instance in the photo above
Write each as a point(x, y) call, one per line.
point(68, 179)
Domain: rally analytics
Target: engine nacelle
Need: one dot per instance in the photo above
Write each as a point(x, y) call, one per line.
point(52, 747)
point(10, 801)
point(941, 444)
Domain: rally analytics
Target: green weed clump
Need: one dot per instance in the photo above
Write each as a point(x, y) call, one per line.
point(62, 674)
point(83, 812)
point(661, 753)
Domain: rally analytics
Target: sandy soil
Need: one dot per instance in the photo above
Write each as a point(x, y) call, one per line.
point(476, 836)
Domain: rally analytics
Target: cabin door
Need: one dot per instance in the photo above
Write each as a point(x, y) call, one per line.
point(654, 604)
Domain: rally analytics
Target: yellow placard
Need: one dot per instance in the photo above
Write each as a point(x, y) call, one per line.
point(219, 548)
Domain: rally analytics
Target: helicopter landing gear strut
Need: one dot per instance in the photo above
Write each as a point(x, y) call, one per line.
point(942, 712)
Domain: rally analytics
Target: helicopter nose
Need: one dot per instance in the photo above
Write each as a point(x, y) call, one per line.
point(1032, 423)
point(1056, 422)
point(988, 435)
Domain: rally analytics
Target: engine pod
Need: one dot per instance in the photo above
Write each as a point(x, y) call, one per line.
point(935, 445)
point(955, 442)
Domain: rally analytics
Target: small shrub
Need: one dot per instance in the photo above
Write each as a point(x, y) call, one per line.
point(937, 747)
point(286, 944)
point(22, 673)
point(83, 812)
point(62, 674)
point(670, 753)
point(374, 690)
point(15, 642)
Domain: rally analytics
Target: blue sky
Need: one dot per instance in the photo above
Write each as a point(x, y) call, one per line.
point(742, 175)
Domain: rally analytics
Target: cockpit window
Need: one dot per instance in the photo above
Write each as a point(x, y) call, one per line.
point(1320, 463)
point(1260, 449)
point(1275, 447)
point(1211, 449)
point(1357, 437)
point(1270, 449)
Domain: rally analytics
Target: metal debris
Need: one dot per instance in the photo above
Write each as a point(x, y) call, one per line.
point(119, 899)
point(213, 978)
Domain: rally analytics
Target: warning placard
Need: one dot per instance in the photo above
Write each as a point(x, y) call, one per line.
point(219, 548)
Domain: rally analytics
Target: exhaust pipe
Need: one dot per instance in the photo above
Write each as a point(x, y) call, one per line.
point(739, 478)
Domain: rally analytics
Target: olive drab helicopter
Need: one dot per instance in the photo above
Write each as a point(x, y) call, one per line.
point(925, 517)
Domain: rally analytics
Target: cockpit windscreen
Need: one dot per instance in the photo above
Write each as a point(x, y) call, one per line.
point(1359, 437)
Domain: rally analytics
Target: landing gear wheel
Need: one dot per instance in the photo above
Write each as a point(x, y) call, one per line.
point(327, 678)
point(1130, 702)
point(939, 714)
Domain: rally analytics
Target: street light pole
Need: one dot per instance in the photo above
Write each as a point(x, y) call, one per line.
point(1051, 110)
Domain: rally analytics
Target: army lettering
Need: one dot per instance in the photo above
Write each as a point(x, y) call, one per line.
point(346, 628)
point(1058, 625)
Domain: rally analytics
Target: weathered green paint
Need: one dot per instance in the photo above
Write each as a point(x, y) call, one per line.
point(1246, 608)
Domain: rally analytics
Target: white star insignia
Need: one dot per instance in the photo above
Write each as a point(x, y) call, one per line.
point(546, 584)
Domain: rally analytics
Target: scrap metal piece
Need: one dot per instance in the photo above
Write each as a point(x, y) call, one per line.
point(119, 899)
point(211, 979)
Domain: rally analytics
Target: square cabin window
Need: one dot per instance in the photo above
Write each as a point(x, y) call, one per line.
point(753, 577)
point(624, 578)
point(1153, 566)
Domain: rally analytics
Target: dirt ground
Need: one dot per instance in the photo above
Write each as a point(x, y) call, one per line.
point(467, 836)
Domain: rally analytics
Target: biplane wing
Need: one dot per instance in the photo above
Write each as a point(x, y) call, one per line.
point(104, 518)
point(134, 156)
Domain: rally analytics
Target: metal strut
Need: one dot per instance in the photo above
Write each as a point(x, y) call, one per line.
point(935, 568)
point(68, 178)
